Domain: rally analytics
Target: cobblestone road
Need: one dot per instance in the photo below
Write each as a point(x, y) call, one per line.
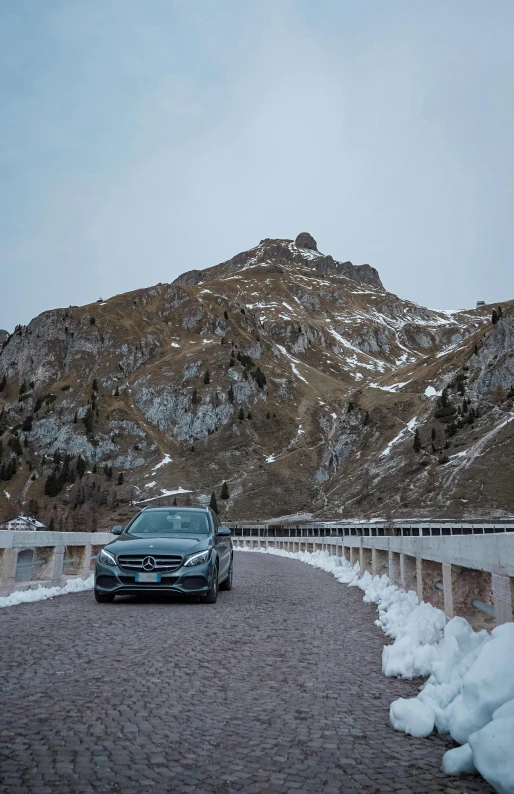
point(276, 688)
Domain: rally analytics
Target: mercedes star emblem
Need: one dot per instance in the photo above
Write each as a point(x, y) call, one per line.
point(148, 563)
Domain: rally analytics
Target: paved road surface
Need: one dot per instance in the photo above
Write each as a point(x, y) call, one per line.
point(276, 688)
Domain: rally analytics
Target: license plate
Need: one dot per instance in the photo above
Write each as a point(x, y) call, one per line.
point(148, 577)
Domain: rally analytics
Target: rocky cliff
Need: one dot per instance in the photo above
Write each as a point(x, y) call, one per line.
point(297, 379)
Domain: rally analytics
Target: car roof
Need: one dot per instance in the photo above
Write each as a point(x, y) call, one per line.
point(176, 507)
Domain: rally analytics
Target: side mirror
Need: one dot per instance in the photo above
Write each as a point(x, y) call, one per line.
point(224, 531)
point(117, 530)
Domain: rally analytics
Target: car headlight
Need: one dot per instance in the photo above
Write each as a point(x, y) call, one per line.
point(197, 559)
point(107, 558)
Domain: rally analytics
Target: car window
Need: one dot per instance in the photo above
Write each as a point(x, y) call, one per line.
point(170, 522)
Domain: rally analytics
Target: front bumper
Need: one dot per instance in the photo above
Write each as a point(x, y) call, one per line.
point(192, 580)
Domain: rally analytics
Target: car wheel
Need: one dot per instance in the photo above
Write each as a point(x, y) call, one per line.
point(104, 598)
point(212, 595)
point(227, 583)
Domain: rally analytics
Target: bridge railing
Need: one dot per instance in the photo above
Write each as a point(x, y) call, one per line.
point(471, 576)
point(34, 559)
point(372, 529)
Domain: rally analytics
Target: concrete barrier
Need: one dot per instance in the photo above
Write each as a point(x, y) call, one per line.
point(56, 557)
point(468, 575)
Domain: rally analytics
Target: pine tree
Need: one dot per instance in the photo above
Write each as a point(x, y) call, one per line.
point(249, 415)
point(117, 391)
point(224, 493)
point(207, 377)
point(494, 317)
point(92, 320)
point(194, 397)
point(52, 485)
point(75, 418)
point(14, 443)
point(500, 312)
point(120, 478)
point(241, 414)
point(81, 466)
point(88, 420)
point(365, 421)
point(417, 441)
point(51, 525)
point(260, 377)
point(475, 351)
point(95, 385)
point(225, 314)
point(3, 382)
point(433, 434)
point(230, 393)
point(213, 503)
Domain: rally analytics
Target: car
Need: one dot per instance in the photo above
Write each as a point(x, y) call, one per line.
point(167, 550)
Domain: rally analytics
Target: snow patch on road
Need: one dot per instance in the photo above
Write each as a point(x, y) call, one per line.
point(469, 692)
point(76, 585)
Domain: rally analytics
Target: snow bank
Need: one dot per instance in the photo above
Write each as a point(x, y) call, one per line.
point(76, 585)
point(469, 692)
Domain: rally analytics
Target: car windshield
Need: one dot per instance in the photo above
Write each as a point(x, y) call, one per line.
point(170, 522)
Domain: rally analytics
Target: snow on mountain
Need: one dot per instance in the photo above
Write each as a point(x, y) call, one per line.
point(215, 373)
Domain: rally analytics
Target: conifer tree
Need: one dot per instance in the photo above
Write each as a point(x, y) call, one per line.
point(120, 478)
point(81, 466)
point(249, 415)
point(51, 485)
point(207, 377)
point(417, 441)
point(3, 382)
point(213, 503)
point(241, 414)
point(494, 317)
point(224, 493)
point(230, 393)
point(194, 398)
point(225, 314)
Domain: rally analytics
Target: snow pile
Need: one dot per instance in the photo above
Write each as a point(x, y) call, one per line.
point(469, 692)
point(75, 585)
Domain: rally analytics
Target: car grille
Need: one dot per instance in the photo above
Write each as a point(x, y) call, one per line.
point(163, 562)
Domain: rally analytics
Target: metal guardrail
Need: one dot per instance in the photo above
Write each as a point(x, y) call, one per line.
point(421, 529)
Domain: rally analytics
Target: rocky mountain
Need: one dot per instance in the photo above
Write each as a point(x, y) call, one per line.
point(298, 380)
point(4, 336)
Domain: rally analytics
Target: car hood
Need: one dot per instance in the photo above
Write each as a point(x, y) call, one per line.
point(127, 544)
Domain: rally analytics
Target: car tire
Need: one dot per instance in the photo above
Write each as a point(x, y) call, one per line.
point(227, 583)
point(104, 598)
point(212, 595)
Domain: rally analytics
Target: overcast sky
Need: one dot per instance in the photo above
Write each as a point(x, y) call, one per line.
point(143, 138)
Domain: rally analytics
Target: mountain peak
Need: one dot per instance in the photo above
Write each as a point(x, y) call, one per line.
point(279, 255)
point(306, 240)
